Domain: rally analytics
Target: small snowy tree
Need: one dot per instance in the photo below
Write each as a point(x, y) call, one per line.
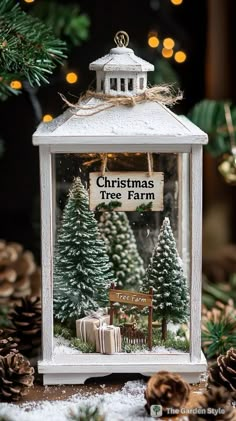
point(165, 274)
point(82, 271)
point(122, 249)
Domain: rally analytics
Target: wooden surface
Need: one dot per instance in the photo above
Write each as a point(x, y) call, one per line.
point(99, 386)
point(130, 197)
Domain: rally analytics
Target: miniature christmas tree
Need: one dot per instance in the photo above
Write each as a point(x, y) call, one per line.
point(82, 269)
point(122, 249)
point(165, 275)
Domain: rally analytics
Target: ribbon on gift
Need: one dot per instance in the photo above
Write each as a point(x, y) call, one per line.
point(101, 337)
point(98, 314)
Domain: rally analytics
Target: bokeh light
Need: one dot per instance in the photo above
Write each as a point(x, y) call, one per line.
point(169, 43)
point(153, 41)
point(71, 77)
point(47, 118)
point(16, 84)
point(167, 53)
point(176, 2)
point(180, 56)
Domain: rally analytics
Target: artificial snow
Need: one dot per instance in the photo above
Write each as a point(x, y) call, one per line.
point(159, 350)
point(63, 346)
point(125, 404)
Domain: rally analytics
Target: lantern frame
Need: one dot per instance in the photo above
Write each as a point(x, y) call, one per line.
point(75, 369)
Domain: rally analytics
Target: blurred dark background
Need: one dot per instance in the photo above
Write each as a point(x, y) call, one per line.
point(204, 30)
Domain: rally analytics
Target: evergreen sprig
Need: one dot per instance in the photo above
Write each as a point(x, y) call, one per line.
point(66, 20)
point(87, 413)
point(144, 207)
point(209, 115)
point(108, 206)
point(28, 48)
point(218, 331)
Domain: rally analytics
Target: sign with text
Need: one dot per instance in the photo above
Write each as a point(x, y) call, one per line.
point(130, 297)
point(131, 189)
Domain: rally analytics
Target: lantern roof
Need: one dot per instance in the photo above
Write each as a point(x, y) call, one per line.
point(147, 122)
point(121, 58)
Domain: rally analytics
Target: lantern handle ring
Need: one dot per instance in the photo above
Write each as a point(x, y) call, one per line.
point(121, 39)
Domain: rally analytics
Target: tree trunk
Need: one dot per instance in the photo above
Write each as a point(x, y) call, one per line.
point(164, 329)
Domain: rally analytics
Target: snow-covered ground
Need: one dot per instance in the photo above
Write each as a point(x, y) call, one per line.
point(62, 346)
point(126, 404)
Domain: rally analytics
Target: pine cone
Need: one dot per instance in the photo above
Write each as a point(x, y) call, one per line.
point(26, 320)
point(7, 344)
point(223, 372)
point(16, 376)
point(17, 267)
point(168, 390)
point(215, 406)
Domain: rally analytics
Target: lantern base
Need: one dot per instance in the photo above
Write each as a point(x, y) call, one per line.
point(78, 368)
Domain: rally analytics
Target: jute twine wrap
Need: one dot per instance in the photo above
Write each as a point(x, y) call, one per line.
point(164, 94)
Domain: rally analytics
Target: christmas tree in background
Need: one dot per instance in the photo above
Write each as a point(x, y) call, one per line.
point(165, 275)
point(28, 49)
point(122, 249)
point(82, 271)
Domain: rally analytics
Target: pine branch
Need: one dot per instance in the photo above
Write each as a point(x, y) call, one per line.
point(209, 115)
point(66, 20)
point(28, 49)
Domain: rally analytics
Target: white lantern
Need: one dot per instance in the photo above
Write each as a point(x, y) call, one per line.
point(71, 146)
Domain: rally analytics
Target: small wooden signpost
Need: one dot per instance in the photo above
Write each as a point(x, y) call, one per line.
point(132, 298)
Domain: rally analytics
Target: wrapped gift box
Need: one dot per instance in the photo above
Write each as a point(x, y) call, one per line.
point(108, 339)
point(85, 327)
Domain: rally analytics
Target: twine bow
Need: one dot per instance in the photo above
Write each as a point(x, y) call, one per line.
point(164, 94)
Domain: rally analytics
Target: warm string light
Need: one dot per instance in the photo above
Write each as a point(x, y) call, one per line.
point(71, 77)
point(167, 53)
point(176, 2)
point(180, 56)
point(153, 41)
point(47, 118)
point(16, 84)
point(169, 43)
point(168, 47)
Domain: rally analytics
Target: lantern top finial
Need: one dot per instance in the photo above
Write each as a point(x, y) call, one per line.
point(121, 39)
point(121, 72)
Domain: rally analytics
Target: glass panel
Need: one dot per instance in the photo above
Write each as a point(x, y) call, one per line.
point(130, 84)
point(102, 85)
point(113, 84)
point(122, 84)
point(141, 83)
point(135, 249)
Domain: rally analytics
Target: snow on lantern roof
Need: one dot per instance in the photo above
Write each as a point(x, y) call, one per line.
point(146, 120)
point(121, 58)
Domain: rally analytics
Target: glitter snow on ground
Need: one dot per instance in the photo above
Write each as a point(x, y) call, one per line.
point(126, 404)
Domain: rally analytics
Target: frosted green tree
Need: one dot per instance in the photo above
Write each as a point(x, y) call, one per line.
point(165, 274)
point(122, 249)
point(82, 271)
